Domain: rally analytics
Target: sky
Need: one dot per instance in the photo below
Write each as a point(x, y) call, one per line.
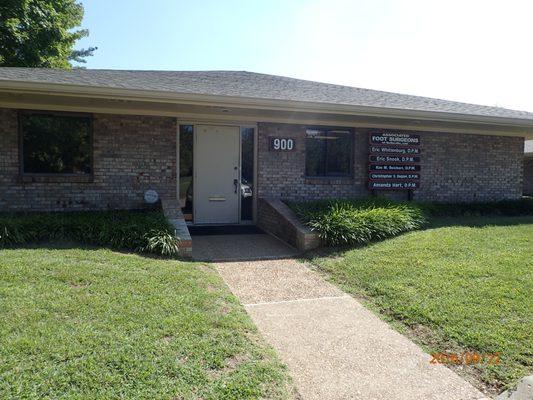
point(472, 51)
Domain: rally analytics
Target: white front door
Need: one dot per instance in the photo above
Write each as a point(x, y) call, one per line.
point(216, 175)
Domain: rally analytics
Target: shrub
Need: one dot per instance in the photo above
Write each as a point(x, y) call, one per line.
point(141, 231)
point(160, 242)
point(358, 221)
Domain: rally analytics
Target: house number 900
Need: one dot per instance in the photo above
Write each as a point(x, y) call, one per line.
point(283, 144)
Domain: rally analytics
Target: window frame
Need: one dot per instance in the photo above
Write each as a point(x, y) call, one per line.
point(82, 176)
point(351, 132)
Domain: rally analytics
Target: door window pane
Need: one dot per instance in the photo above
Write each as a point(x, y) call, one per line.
point(328, 153)
point(186, 170)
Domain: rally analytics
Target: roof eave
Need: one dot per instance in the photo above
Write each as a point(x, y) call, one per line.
point(248, 102)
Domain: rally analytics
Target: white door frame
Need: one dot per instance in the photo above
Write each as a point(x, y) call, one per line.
point(238, 124)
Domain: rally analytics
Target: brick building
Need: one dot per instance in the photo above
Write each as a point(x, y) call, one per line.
point(212, 144)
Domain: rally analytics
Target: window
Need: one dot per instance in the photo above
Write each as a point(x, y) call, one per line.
point(186, 170)
point(55, 144)
point(328, 152)
point(247, 173)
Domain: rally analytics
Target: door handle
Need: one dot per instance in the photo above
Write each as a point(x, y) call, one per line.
point(236, 184)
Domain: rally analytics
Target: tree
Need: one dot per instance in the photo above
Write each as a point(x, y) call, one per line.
point(41, 33)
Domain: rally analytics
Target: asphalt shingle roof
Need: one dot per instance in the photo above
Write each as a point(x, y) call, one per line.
point(251, 85)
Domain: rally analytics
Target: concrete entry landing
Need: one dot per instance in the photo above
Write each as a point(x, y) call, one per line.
point(334, 347)
point(239, 247)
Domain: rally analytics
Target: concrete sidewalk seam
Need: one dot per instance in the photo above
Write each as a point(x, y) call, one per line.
point(335, 349)
point(296, 300)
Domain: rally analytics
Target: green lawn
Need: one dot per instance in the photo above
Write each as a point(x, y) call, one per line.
point(463, 284)
point(97, 324)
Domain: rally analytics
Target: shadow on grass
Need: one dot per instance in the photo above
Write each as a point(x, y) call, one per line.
point(69, 245)
point(479, 222)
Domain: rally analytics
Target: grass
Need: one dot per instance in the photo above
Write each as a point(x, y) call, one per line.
point(461, 285)
point(97, 324)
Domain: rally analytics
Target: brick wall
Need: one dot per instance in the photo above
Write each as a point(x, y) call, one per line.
point(455, 168)
point(470, 167)
point(273, 222)
point(131, 154)
point(276, 218)
point(282, 174)
point(135, 153)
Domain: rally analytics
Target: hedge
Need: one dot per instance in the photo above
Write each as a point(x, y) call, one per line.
point(141, 231)
point(341, 222)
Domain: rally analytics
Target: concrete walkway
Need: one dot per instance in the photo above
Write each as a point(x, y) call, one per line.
point(240, 247)
point(334, 347)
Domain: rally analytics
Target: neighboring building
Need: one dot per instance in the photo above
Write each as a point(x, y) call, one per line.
point(528, 168)
point(213, 143)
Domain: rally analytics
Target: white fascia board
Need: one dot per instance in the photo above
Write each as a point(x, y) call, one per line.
point(254, 103)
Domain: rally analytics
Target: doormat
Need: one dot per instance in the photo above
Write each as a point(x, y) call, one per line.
point(224, 230)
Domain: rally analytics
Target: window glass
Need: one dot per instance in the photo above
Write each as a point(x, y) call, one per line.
point(247, 173)
point(328, 153)
point(56, 144)
point(186, 170)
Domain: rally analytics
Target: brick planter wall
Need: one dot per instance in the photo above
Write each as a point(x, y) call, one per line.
point(455, 168)
point(131, 154)
point(276, 218)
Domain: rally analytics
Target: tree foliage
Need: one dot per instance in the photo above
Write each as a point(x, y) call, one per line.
point(41, 33)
